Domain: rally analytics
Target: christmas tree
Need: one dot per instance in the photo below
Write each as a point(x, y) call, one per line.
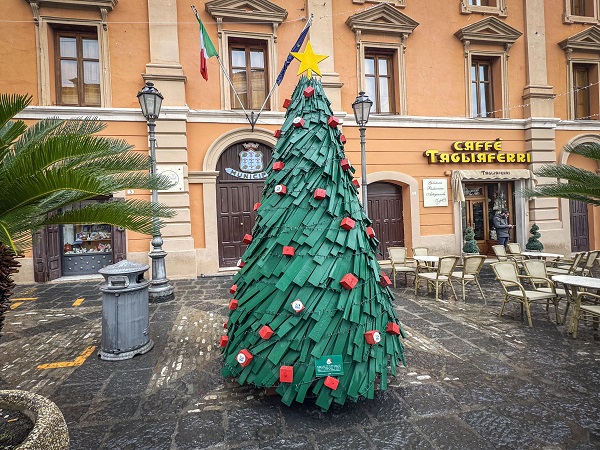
point(311, 308)
point(533, 242)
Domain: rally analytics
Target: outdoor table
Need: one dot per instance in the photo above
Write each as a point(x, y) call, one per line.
point(542, 255)
point(430, 261)
point(571, 284)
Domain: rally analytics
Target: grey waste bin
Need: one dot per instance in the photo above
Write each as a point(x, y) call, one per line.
point(125, 323)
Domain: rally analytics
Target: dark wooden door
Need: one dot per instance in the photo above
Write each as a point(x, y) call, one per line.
point(386, 212)
point(47, 253)
point(239, 186)
point(119, 247)
point(580, 232)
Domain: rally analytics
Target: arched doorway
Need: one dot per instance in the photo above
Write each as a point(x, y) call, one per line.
point(386, 212)
point(239, 186)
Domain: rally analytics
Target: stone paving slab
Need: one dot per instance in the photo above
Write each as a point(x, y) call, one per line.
point(474, 380)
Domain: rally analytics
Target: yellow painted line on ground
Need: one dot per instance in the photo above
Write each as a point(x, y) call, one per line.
point(79, 301)
point(18, 299)
point(76, 363)
point(15, 305)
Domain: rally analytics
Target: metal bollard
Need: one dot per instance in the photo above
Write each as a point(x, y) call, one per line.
point(125, 322)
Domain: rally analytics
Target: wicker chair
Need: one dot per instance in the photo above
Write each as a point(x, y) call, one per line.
point(585, 311)
point(501, 254)
point(422, 266)
point(514, 251)
point(566, 269)
point(472, 265)
point(400, 264)
point(441, 276)
point(508, 276)
point(536, 269)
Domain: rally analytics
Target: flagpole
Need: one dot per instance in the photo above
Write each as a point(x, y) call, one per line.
point(227, 76)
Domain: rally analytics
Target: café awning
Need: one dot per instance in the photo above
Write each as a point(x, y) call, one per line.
point(501, 174)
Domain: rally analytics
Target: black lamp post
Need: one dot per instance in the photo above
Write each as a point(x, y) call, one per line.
point(160, 290)
point(362, 108)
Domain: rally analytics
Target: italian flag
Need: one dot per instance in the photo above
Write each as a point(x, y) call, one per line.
point(207, 50)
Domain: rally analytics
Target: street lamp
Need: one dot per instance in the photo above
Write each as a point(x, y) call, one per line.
point(362, 108)
point(160, 290)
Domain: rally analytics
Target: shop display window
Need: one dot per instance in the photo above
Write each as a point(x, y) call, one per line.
point(94, 238)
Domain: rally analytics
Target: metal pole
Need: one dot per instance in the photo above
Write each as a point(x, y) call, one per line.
point(160, 290)
point(363, 157)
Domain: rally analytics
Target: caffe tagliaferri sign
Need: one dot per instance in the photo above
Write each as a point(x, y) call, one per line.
point(476, 152)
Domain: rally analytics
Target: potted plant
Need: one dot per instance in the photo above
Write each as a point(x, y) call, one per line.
point(533, 243)
point(470, 244)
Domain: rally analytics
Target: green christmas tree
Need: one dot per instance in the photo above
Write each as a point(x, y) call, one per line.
point(470, 245)
point(533, 242)
point(311, 308)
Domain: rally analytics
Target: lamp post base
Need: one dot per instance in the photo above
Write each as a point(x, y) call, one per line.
point(160, 289)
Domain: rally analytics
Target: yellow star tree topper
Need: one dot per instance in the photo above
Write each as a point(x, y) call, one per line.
point(309, 61)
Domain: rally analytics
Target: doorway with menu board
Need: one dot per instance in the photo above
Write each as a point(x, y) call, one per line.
point(482, 201)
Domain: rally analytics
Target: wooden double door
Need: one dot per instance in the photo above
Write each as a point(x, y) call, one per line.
point(386, 212)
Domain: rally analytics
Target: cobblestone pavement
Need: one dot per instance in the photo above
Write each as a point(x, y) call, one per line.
point(474, 380)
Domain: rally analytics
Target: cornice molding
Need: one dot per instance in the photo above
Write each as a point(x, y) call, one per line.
point(109, 5)
point(382, 19)
point(490, 30)
point(246, 10)
point(587, 40)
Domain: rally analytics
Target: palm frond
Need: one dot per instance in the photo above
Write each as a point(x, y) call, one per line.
point(589, 150)
point(11, 105)
point(36, 133)
point(135, 215)
point(563, 190)
point(570, 173)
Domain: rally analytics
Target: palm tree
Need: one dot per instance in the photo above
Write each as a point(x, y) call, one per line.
point(56, 163)
point(580, 184)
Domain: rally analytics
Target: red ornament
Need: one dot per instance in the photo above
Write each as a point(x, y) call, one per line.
point(233, 304)
point(342, 139)
point(286, 374)
point(309, 91)
point(256, 206)
point(232, 289)
point(247, 239)
point(392, 328)
point(347, 223)
point(288, 251)
point(333, 121)
point(345, 163)
point(384, 280)
point(373, 337)
point(278, 165)
point(297, 306)
point(356, 183)
point(320, 194)
point(331, 383)
point(266, 332)
point(225, 324)
point(241, 263)
point(349, 281)
point(244, 357)
point(277, 133)
point(286, 103)
point(223, 341)
point(370, 232)
point(298, 122)
point(280, 189)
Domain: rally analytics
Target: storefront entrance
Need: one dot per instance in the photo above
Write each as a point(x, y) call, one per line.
point(385, 210)
point(482, 201)
point(239, 186)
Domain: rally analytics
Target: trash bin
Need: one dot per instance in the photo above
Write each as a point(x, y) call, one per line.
point(125, 322)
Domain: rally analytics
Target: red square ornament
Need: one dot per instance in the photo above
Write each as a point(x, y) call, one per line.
point(348, 281)
point(356, 183)
point(373, 337)
point(225, 324)
point(370, 232)
point(233, 304)
point(277, 133)
point(241, 263)
point(309, 91)
point(347, 223)
point(280, 189)
point(247, 239)
point(384, 280)
point(333, 121)
point(223, 341)
point(288, 250)
point(286, 374)
point(342, 139)
point(278, 165)
point(256, 206)
point(345, 163)
point(232, 289)
point(244, 358)
point(320, 194)
point(286, 103)
point(298, 122)
point(265, 332)
point(331, 383)
point(392, 328)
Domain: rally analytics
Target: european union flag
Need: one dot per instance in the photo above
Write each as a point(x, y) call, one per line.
point(295, 48)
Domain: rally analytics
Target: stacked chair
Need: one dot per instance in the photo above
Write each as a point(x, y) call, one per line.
point(400, 263)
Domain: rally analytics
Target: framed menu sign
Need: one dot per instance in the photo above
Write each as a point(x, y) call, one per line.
point(435, 192)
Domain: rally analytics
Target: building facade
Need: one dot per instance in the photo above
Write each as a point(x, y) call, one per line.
point(470, 97)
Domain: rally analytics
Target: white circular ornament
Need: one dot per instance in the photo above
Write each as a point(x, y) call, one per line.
point(297, 305)
point(377, 337)
point(241, 358)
